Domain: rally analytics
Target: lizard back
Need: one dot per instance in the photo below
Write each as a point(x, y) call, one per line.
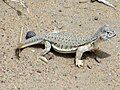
point(66, 40)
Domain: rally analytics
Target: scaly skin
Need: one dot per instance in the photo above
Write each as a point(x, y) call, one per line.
point(66, 42)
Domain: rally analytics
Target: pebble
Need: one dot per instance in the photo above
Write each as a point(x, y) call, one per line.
point(30, 34)
point(95, 18)
point(33, 50)
point(93, 0)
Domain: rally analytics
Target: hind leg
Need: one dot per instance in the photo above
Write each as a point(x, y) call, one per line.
point(47, 48)
point(45, 51)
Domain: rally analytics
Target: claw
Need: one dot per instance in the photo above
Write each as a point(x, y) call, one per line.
point(79, 63)
point(43, 59)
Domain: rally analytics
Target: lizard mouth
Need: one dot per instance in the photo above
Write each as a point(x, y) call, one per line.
point(113, 36)
point(107, 38)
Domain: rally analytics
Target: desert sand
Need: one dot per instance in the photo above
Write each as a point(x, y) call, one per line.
point(60, 73)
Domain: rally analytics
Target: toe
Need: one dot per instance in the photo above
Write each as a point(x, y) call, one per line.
point(43, 59)
point(79, 63)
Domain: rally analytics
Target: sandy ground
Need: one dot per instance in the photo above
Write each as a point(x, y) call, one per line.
point(60, 73)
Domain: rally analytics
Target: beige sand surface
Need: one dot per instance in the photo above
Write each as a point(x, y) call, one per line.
point(60, 73)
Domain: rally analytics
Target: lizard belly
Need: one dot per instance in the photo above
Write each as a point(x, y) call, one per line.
point(62, 50)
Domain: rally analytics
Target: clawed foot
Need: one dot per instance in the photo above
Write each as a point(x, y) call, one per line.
point(49, 56)
point(79, 63)
point(46, 57)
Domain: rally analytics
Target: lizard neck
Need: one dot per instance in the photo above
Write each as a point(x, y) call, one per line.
point(97, 38)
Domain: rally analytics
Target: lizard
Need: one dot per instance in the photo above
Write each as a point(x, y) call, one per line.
point(66, 42)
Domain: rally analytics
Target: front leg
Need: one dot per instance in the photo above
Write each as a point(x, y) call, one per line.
point(78, 60)
point(45, 51)
point(80, 51)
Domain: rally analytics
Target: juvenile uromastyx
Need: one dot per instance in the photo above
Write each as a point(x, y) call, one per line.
point(66, 42)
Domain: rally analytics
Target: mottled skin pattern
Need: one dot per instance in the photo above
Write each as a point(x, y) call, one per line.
point(66, 42)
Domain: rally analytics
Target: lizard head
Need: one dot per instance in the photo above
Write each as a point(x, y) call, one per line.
point(105, 32)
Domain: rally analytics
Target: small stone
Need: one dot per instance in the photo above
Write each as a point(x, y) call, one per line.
point(2, 35)
point(18, 88)
point(38, 71)
point(93, 0)
point(95, 18)
point(33, 50)
point(76, 77)
point(2, 81)
point(30, 34)
point(60, 10)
